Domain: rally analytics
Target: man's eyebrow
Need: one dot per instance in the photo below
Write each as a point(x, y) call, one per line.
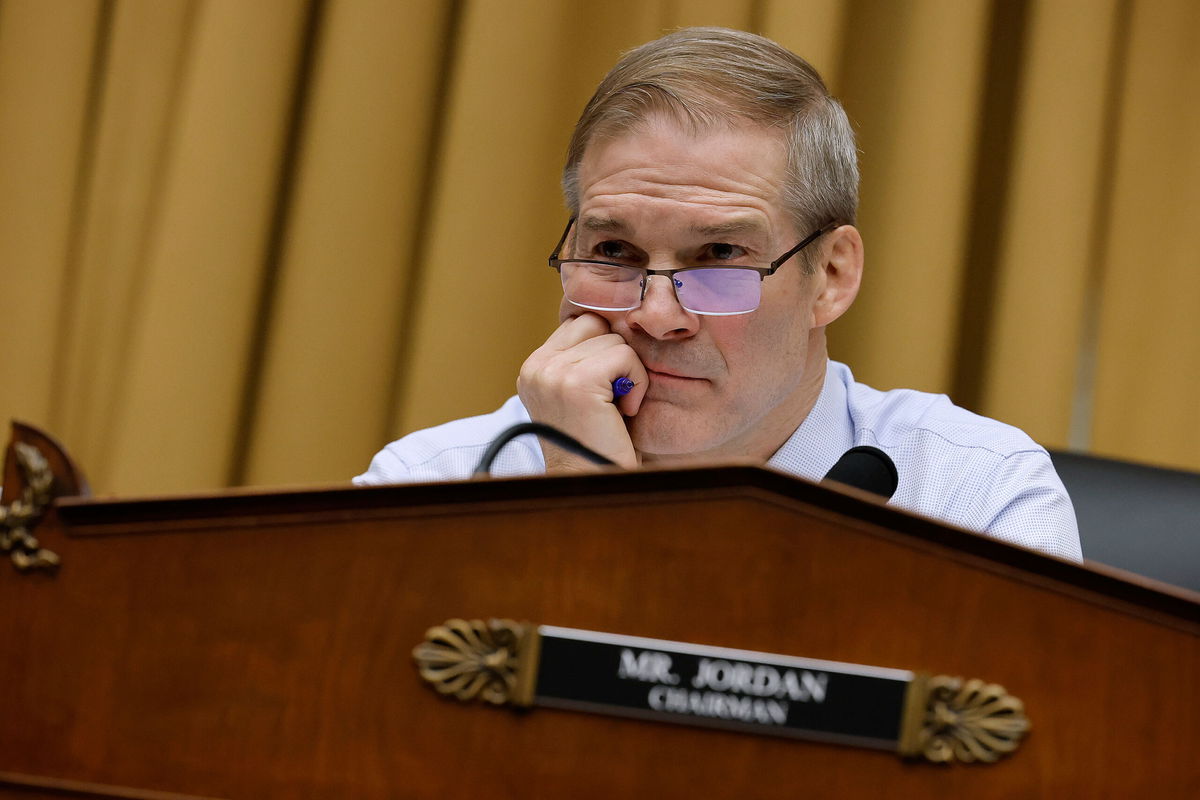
point(603, 224)
point(731, 227)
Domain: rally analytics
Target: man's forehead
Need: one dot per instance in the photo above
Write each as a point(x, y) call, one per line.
point(731, 175)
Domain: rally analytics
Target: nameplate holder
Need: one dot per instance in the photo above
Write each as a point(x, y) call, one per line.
point(936, 718)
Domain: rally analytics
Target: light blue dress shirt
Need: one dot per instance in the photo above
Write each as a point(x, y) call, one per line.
point(954, 465)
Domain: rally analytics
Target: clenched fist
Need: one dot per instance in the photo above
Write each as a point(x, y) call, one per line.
point(567, 383)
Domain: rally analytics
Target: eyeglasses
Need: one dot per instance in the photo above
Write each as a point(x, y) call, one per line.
point(709, 290)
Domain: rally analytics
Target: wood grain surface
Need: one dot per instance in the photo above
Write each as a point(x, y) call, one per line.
point(258, 645)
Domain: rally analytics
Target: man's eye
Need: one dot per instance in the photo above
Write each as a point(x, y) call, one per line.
point(725, 252)
point(616, 251)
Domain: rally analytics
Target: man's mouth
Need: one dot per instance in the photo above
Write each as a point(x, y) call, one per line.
point(667, 376)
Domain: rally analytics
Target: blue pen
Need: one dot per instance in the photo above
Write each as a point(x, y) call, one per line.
point(622, 387)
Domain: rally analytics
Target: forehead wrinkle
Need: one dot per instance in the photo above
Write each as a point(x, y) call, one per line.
point(744, 209)
point(693, 183)
point(748, 218)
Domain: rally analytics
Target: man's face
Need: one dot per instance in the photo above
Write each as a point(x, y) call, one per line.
point(663, 198)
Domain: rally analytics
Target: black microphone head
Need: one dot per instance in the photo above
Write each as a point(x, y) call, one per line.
point(867, 468)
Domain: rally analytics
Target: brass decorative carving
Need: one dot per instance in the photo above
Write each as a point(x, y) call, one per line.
point(18, 517)
point(494, 661)
point(951, 719)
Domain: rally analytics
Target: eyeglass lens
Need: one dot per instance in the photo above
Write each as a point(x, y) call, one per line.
point(608, 287)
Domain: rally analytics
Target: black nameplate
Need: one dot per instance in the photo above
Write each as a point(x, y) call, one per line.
point(715, 686)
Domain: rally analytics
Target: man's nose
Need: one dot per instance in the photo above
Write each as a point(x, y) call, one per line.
point(660, 315)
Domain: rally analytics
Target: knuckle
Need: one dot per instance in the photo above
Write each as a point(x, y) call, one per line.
point(572, 381)
point(531, 368)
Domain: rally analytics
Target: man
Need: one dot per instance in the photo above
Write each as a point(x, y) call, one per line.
point(712, 185)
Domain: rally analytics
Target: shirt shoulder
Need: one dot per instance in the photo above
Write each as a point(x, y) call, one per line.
point(967, 469)
point(451, 451)
point(897, 416)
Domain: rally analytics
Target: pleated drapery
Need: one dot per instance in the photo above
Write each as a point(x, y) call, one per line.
point(248, 243)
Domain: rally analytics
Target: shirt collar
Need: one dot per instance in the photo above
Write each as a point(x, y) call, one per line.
point(826, 433)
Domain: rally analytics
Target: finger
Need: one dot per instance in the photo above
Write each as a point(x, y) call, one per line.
point(588, 348)
point(587, 369)
point(576, 330)
point(550, 366)
point(632, 402)
point(592, 373)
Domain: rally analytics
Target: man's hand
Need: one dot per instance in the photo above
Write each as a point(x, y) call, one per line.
point(567, 383)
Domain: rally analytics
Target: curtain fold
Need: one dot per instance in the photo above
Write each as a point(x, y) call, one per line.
point(1052, 214)
point(175, 425)
point(46, 80)
point(251, 242)
point(912, 78)
point(482, 301)
point(815, 29)
point(1148, 344)
point(146, 46)
point(353, 243)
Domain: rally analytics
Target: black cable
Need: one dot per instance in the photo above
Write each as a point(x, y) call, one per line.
point(554, 435)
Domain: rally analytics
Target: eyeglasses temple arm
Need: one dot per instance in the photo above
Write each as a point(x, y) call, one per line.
point(561, 241)
point(812, 237)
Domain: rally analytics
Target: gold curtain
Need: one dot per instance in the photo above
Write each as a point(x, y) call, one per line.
point(252, 242)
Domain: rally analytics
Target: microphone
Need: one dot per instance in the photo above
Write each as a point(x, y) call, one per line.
point(866, 468)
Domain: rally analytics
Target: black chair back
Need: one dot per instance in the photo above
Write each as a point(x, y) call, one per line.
point(1139, 518)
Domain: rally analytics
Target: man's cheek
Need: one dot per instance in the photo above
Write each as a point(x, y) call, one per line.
point(738, 340)
point(615, 319)
point(568, 310)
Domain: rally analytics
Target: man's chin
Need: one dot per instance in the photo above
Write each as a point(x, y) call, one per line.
point(670, 436)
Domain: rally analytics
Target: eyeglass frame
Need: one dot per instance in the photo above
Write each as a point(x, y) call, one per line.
point(763, 272)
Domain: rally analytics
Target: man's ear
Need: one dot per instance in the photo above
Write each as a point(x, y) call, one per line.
point(841, 267)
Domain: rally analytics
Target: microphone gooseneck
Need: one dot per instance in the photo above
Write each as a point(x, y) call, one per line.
point(550, 433)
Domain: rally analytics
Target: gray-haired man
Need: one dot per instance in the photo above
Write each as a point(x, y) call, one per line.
point(712, 184)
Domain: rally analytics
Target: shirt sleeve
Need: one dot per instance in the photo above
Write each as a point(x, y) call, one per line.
point(451, 451)
point(386, 467)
